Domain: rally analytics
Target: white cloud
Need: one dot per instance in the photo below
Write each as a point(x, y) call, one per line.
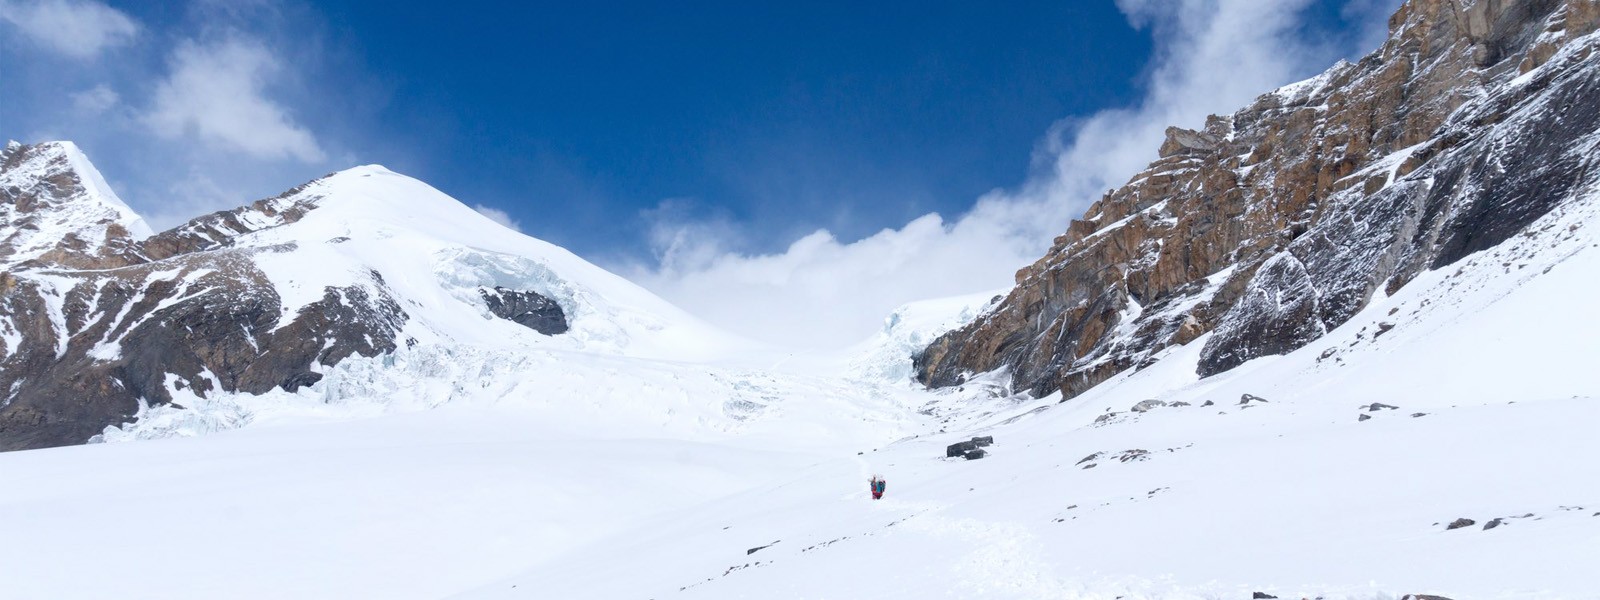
point(216, 92)
point(498, 216)
point(95, 100)
point(1213, 56)
point(77, 28)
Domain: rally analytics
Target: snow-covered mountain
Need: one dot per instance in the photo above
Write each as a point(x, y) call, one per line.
point(356, 271)
point(1334, 346)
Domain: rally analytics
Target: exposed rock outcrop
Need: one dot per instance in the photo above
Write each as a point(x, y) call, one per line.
point(1270, 226)
point(526, 308)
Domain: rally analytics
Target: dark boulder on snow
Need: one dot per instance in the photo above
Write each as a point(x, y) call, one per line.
point(1360, 418)
point(1459, 523)
point(1261, 596)
point(959, 448)
point(1493, 523)
point(1423, 597)
point(974, 454)
point(1248, 398)
point(983, 441)
point(1377, 406)
point(526, 308)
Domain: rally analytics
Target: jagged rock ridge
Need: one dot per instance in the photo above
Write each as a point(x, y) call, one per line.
point(1271, 226)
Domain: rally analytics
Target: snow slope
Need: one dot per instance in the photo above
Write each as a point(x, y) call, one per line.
point(1489, 368)
point(647, 455)
point(504, 495)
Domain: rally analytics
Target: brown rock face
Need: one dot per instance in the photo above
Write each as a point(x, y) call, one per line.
point(1270, 226)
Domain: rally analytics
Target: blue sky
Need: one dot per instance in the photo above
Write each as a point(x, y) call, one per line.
point(709, 145)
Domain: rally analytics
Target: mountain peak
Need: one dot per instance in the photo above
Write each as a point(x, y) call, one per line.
point(57, 209)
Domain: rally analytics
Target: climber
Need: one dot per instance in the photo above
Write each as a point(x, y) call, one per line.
point(878, 484)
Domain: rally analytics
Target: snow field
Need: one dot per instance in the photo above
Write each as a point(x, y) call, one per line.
point(645, 455)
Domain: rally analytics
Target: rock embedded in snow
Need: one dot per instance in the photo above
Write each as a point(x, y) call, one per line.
point(1147, 405)
point(526, 308)
point(1459, 523)
point(1247, 398)
point(959, 449)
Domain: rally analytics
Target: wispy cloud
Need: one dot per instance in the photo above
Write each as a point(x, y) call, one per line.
point(80, 29)
point(498, 216)
point(95, 100)
point(1212, 56)
point(215, 93)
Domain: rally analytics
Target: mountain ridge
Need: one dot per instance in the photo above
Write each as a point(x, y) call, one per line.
point(357, 263)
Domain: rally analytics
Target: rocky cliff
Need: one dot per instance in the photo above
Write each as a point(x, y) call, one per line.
point(1265, 229)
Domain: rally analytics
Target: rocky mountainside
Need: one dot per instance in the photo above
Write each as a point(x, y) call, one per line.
point(56, 210)
point(1269, 227)
point(100, 320)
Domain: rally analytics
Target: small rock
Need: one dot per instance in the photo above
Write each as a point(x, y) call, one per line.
point(1147, 405)
point(1177, 404)
point(1459, 523)
point(1248, 398)
point(983, 441)
point(753, 550)
point(1091, 457)
point(1493, 523)
point(1415, 415)
point(1208, 403)
point(1363, 418)
point(975, 454)
point(1261, 596)
point(1423, 597)
point(1104, 418)
point(1377, 406)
